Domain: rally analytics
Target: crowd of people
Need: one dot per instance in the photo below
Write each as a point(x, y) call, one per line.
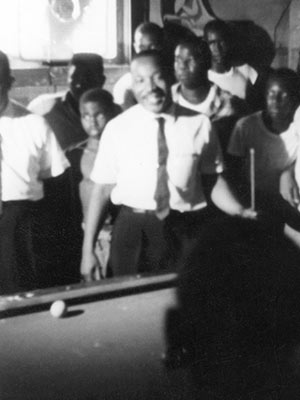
point(156, 176)
point(99, 185)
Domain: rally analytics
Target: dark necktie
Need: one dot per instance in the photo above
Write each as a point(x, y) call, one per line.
point(162, 194)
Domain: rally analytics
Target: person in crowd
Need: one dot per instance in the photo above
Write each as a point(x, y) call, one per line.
point(149, 162)
point(96, 109)
point(62, 210)
point(195, 91)
point(273, 133)
point(147, 36)
point(240, 80)
point(61, 110)
point(29, 154)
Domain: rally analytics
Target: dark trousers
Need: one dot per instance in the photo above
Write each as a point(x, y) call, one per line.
point(58, 233)
point(140, 243)
point(17, 261)
point(143, 243)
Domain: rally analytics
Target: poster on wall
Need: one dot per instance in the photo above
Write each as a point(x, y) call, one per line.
point(253, 45)
point(192, 14)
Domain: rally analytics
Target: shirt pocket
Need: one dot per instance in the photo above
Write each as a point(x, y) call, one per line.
point(182, 169)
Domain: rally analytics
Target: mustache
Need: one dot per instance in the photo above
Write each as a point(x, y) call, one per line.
point(156, 91)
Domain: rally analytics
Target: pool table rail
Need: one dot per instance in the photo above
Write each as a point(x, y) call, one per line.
point(37, 300)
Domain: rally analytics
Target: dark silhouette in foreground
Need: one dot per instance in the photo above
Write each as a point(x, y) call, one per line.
point(237, 327)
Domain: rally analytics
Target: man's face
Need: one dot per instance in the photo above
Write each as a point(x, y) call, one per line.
point(143, 41)
point(279, 102)
point(81, 79)
point(93, 118)
point(217, 46)
point(150, 86)
point(190, 71)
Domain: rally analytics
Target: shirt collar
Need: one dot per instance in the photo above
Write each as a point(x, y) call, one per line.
point(169, 114)
point(175, 90)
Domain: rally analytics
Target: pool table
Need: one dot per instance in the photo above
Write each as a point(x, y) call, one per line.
point(108, 346)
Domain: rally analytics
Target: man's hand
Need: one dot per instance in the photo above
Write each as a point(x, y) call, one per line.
point(288, 188)
point(248, 213)
point(90, 268)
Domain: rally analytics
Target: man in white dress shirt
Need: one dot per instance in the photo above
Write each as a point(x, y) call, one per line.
point(29, 154)
point(126, 169)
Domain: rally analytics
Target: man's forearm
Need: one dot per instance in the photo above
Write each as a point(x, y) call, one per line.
point(96, 214)
point(224, 199)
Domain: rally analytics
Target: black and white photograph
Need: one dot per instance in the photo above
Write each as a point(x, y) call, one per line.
point(149, 199)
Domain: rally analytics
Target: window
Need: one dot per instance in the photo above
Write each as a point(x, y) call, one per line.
point(52, 30)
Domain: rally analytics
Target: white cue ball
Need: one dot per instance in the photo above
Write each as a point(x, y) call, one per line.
point(58, 309)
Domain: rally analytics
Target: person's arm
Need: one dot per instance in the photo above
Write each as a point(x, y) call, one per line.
point(288, 187)
point(96, 215)
point(223, 197)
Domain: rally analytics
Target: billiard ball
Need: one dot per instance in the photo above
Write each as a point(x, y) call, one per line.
point(58, 309)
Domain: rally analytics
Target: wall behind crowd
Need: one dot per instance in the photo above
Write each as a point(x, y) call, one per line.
point(280, 20)
point(259, 24)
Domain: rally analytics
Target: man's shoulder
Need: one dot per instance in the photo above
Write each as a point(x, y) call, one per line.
point(238, 106)
point(125, 80)
point(123, 84)
point(248, 72)
point(44, 103)
point(250, 120)
point(17, 111)
point(182, 113)
point(125, 119)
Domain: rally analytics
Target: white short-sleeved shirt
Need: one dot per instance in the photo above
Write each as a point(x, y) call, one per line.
point(128, 157)
point(217, 104)
point(121, 87)
point(30, 153)
point(273, 153)
point(235, 80)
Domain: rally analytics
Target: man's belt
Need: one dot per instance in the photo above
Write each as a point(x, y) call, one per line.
point(139, 210)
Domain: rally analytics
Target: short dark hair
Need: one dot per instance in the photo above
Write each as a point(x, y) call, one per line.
point(152, 29)
point(91, 61)
point(200, 49)
point(290, 79)
point(220, 26)
point(103, 98)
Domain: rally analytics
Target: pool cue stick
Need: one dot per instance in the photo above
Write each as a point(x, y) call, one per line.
point(252, 177)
